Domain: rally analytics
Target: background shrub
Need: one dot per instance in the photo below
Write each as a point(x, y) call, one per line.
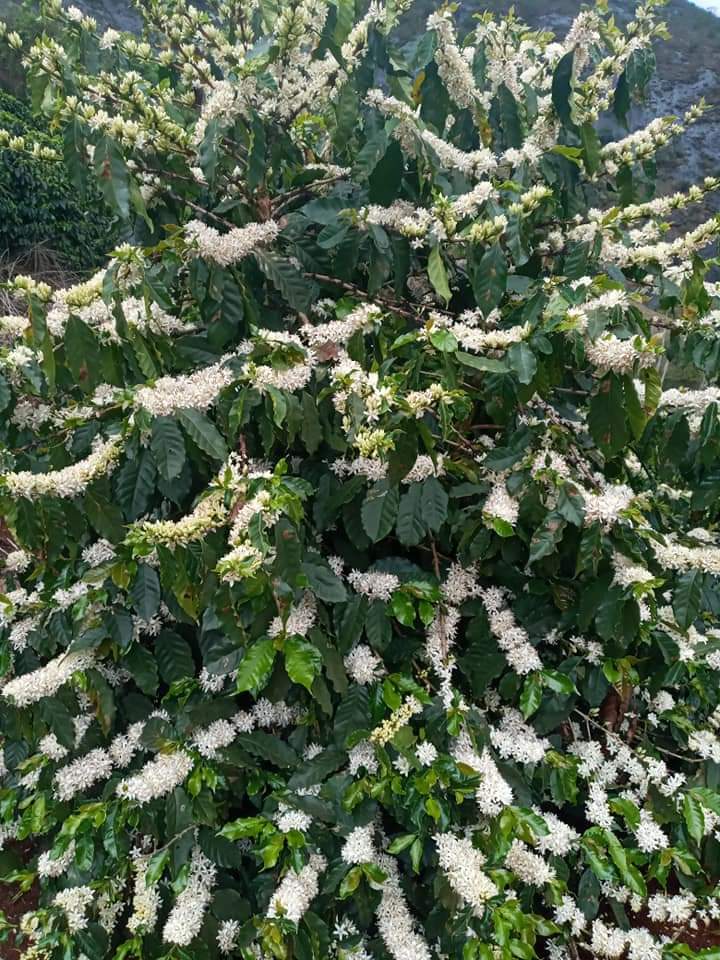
point(39, 203)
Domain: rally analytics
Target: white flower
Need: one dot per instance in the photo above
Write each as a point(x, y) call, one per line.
point(157, 778)
point(494, 792)
point(561, 838)
point(569, 913)
point(227, 935)
point(376, 586)
point(300, 620)
point(146, 899)
point(426, 753)
point(605, 507)
point(362, 665)
point(267, 714)
point(297, 890)
point(69, 481)
point(650, 837)
point(463, 867)
point(218, 735)
point(620, 356)
point(528, 866)
point(359, 846)
point(197, 390)
point(51, 747)
point(363, 755)
point(288, 819)
point(230, 247)
point(362, 317)
point(186, 917)
point(98, 553)
point(515, 739)
point(49, 867)
point(395, 922)
point(17, 561)
point(46, 681)
point(74, 901)
point(82, 773)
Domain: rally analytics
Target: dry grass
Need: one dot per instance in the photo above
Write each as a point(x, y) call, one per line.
point(42, 264)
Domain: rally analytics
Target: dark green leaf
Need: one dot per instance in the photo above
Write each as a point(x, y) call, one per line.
point(174, 657)
point(203, 432)
point(379, 510)
point(145, 591)
point(168, 447)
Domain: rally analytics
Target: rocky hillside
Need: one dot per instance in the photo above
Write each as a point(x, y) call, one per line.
point(687, 70)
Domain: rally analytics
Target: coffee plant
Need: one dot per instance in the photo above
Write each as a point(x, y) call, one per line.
point(360, 556)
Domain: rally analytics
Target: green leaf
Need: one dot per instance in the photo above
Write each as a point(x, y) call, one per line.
point(438, 274)
point(410, 526)
point(288, 550)
point(591, 147)
point(318, 769)
point(509, 117)
point(547, 537)
point(635, 413)
point(606, 417)
point(174, 657)
point(489, 279)
point(82, 352)
point(379, 510)
point(487, 364)
point(694, 817)
point(434, 504)
point(168, 447)
point(5, 393)
point(135, 484)
point(531, 695)
point(522, 361)
point(303, 661)
point(257, 163)
point(629, 874)
point(156, 867)
point(112, 175)
point(141, 664)
point(346, 114)
point(245, 827)
point(57, 716)
point(311, 429)
point(402, 608)
point(298, 292)
point(401, 843)
point(443, 340)
point(203, 433)
point(483, 661)
point(558, 682)
point(267, 746)
point(255, 667)
point(403, 455)
point(145, 592)
point(562, 88)
point(352, 714)
point(350, 882)
point(324, 583)
point(687, 597)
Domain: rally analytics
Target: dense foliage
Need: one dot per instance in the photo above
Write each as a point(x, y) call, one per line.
point(361, 574)
point(39, 203)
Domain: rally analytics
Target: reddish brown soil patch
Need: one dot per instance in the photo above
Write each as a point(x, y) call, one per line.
point(700, 939)
point(14, 904)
